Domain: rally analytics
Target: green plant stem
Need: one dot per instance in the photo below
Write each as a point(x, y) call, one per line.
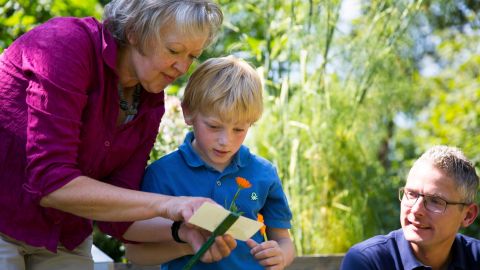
point(233, 201)
point(220, 230)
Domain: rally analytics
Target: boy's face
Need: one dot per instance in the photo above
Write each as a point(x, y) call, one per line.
point(217, 141)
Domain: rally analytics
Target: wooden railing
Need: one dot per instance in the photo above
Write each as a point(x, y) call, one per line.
point(317, 262)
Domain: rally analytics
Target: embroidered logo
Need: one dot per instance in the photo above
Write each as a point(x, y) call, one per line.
point(254, 196)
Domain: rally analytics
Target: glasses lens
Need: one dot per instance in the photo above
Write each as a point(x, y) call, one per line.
point(435, 204)
point(407, 197)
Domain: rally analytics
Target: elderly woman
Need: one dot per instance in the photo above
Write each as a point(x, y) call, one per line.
point(80, 106)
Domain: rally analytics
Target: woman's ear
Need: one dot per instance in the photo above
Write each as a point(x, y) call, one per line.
point(132, 39)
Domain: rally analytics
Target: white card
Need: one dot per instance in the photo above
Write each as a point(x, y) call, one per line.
point(209, 216)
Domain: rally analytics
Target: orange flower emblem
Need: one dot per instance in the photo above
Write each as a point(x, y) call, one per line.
point(242, 182)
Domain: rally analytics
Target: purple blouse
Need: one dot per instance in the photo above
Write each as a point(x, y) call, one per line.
point(58, 110)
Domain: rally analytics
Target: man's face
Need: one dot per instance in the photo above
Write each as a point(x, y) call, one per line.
point(424, 229)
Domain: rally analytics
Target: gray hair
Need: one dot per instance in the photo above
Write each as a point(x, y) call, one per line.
point(453, 162)
point(142, 20)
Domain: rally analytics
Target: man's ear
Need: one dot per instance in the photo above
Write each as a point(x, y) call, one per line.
point(471, 215)
point(187, 116)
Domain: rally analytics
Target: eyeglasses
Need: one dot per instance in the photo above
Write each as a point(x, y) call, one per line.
point(433, 204)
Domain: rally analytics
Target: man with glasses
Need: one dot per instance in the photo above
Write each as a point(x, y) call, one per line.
point(437, 200)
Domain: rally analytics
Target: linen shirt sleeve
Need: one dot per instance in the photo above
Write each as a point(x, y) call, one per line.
point(58, 67)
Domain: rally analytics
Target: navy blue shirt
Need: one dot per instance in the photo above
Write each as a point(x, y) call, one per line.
point(393, 251)
point(184, 173)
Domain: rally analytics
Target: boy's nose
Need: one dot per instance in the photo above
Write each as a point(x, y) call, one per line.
point(223, 139)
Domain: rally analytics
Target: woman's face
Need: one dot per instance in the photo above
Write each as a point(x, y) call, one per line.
point(171, 58)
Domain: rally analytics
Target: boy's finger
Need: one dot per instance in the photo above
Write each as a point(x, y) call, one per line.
point(230, 241)
point(251, 243)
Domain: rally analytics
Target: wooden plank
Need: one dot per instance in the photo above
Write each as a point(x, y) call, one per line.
point(314, 262)
point(317, 262)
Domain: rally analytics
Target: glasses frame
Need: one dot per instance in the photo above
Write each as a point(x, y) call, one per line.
point(401, 194)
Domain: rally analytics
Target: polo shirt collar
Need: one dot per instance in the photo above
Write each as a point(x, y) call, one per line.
point(240, 159)
point(409, 260)
point(458, 255)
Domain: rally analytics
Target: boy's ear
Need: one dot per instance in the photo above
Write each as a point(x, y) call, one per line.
point(187, 116)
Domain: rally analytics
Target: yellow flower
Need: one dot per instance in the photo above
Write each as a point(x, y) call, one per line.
point(263, 229)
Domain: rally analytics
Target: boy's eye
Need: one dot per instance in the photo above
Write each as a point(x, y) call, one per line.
point(239, 130)
point(213, 126)
point(172, 51)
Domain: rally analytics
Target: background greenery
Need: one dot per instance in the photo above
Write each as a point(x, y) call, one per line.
point(355, 91)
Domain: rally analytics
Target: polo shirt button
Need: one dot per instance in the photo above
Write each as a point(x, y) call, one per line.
point(219, 183)
point(107, 143)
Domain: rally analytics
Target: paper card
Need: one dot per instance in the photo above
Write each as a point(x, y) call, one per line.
point(209, 216)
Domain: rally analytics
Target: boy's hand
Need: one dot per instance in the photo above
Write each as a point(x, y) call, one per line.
point(269, 254)
point(196, 237)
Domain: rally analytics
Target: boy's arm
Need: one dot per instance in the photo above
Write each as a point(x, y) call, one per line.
point(156, 253)
point(277, 253)
point(149, 230)
point(158, 246)
point(282, 236)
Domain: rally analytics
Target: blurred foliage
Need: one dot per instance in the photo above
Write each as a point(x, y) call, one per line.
point(355, 91)
point(111, 246)
point(19, 16)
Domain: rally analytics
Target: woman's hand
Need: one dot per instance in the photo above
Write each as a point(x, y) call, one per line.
point(181, 207)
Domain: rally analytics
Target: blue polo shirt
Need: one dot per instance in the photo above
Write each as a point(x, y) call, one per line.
point(393, 251)
point(184, 173)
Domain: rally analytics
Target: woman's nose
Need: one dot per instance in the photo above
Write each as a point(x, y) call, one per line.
point(182, 66)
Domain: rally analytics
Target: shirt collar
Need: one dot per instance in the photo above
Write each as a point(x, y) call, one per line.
point(109, 48)
point(409, 260)
point(458, 255)
point(240, 159)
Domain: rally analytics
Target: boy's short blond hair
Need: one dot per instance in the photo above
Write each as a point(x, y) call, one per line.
point(225, 87)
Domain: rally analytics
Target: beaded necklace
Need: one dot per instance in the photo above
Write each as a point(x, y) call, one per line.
point(130, 109)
